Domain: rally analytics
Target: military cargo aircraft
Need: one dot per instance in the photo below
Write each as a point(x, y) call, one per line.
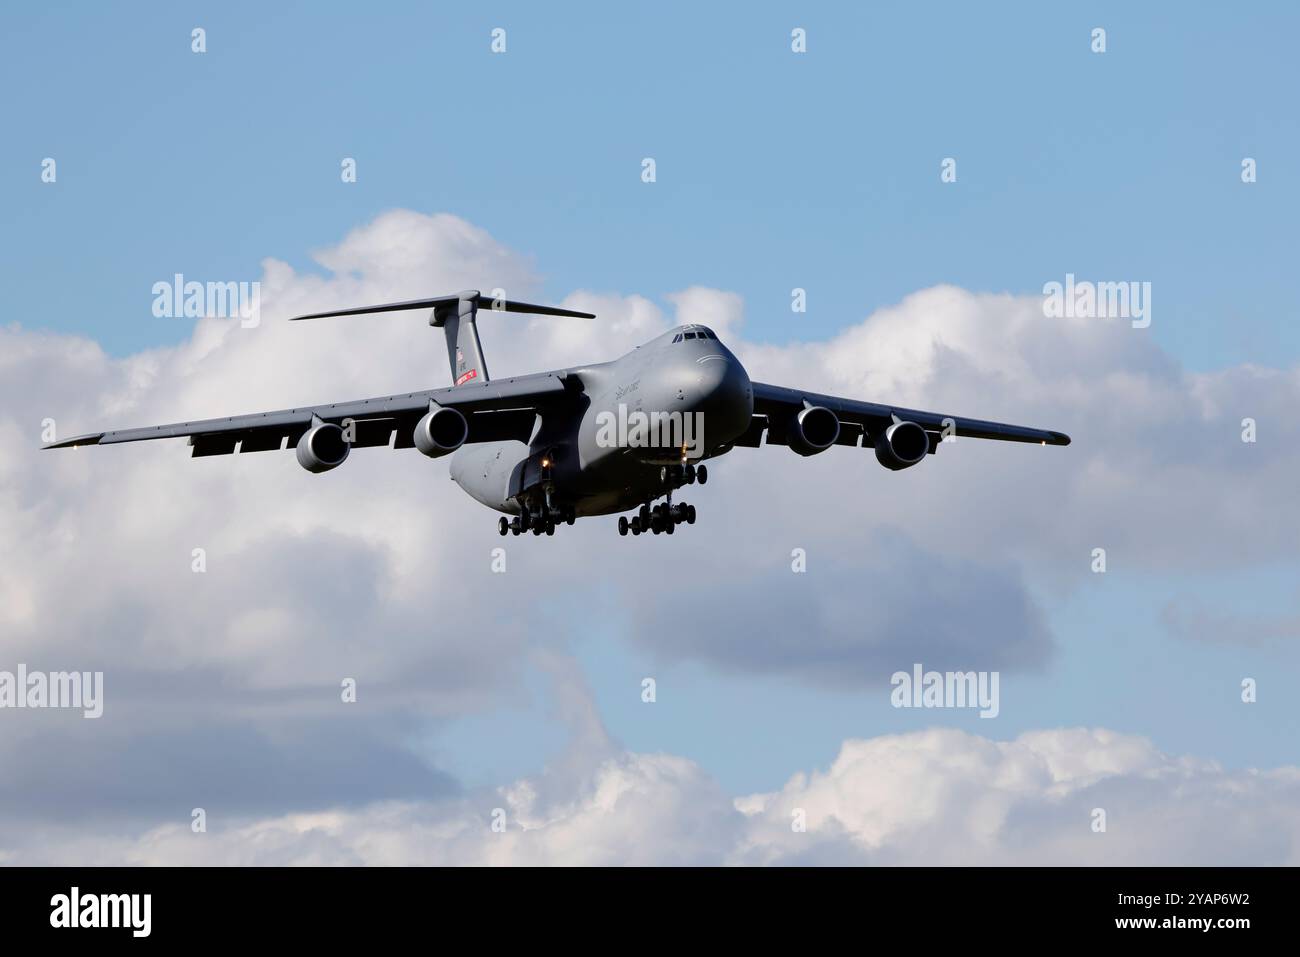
point(550, 447)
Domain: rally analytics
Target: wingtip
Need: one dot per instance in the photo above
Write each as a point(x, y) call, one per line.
point(72, 443)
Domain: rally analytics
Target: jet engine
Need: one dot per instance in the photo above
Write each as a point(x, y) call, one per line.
point(902, 445)
point(440, 431)
point(323, 447)
point(814, 430)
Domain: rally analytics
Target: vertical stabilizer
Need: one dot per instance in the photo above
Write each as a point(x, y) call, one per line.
point(464, 351)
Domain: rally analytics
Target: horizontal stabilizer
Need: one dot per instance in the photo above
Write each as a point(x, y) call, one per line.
point(441, 303)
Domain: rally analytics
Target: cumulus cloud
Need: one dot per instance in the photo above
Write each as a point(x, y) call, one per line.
point(1157, 473)
point(946, 797)
point(381, 570)
point(928, 797)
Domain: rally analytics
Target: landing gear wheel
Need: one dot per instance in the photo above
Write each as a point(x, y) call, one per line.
point(690, 514)
point(503, 525)
point(550, 527)
point(572, 515)
point(702, 474)
point(670, 527)
point(644, 515)
point(635, 525)
point(622, 524)
point(690, 474)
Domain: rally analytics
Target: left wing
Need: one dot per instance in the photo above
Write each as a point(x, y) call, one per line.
point(497, 409)
point(776, 407)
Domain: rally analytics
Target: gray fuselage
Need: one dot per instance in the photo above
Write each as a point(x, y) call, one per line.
point(671, 401)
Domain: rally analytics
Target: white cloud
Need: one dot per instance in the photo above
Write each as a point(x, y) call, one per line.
point(929, 797)
point(947, 797)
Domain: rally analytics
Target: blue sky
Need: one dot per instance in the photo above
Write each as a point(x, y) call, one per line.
point(774, 171)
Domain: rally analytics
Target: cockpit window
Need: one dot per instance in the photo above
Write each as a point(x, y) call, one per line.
point(690, 335)
point(708, 333)
point(677, 338)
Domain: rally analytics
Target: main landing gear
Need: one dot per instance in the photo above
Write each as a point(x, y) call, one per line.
point(663, 519)
point(659, 519)
point(539, 521)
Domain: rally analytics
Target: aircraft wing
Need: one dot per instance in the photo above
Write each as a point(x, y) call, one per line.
point(496, 410)
point(775, 406)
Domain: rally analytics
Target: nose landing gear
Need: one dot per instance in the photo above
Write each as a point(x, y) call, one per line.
point(675, 476)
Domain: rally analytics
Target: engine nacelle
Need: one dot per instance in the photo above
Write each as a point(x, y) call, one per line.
point(440, 431)
point(323, 447)
point(814, 430)
point(902, 445)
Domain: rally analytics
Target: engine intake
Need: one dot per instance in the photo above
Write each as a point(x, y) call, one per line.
point(440, 431)
point(902, 445)
point(814, 430)
point(322, 448)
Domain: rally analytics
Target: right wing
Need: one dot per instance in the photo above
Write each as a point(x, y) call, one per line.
point(775, 406)
point(496, 410)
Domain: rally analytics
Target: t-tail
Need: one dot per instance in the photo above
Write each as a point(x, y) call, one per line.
point(456, 315)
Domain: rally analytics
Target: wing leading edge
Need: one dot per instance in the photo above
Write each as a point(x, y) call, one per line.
point(776, 405)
